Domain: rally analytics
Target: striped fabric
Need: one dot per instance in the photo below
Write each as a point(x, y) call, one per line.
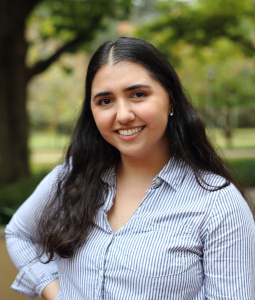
point(183, 242)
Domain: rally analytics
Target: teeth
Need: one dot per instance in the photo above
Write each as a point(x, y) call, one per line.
point(130, 131)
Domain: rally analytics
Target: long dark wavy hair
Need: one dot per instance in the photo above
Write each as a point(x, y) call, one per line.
point(67, 220)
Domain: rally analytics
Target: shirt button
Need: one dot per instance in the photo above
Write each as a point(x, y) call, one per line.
point(110, 237)
point(158, 181)
point(100, 273)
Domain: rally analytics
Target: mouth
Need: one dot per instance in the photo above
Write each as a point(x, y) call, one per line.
point(130, 131)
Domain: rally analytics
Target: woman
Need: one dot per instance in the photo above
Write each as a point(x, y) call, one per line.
point(143, 207)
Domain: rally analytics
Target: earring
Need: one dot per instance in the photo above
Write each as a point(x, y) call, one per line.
point(171, 112)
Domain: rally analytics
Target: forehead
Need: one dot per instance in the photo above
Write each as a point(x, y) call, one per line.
point(122, 74)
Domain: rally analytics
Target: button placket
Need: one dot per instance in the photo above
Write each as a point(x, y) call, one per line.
point(99, 284)
point(100, 273)
point(110, 237)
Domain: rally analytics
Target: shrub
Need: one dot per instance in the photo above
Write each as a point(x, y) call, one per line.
point(244, 168)
point(13, 195)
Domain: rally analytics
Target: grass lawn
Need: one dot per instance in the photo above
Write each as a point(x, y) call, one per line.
point(52, 142)
point(243, 138)
point(47, 141)
point(48, 148)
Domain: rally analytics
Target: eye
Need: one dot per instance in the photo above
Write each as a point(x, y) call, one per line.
point(139, 94)
point(105, 101)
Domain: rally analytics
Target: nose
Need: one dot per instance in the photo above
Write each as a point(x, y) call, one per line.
point(124, 113)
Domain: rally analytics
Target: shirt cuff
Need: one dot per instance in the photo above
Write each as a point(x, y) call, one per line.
point(31, 282)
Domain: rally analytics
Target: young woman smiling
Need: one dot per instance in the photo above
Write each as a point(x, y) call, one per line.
point(143, 207)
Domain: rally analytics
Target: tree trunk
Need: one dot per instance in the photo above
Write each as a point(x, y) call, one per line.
point(13, 82)
point(13, 122)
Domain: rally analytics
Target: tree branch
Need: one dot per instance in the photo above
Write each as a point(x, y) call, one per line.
point(43, 65)
point(246, 44)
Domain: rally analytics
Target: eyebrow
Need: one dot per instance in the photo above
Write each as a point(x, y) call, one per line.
point(137, 86)
point(130, 88)
point(101, 94)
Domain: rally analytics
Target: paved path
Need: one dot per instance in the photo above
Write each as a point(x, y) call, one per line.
point(239, 153)
point(251, 193)
point(7, 274)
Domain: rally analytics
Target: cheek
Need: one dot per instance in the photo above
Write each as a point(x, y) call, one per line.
point(102, 120)
point(155, 117)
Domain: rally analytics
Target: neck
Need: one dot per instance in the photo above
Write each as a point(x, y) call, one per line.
point(143, 167)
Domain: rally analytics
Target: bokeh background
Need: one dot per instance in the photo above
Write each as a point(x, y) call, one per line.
point(45, 46)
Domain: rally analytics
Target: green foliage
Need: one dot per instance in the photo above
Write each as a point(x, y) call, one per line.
point(55, 97)
point(202, 22)
point(244, 168)
point(13, 195)
point(54, 24)
point(67, 18)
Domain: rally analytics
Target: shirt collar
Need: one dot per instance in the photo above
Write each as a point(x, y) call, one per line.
point(173, 172)
point(109, 176)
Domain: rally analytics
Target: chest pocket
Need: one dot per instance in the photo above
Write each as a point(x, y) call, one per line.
point(159, 252)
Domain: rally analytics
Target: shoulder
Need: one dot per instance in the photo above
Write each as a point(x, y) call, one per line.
point(231, 201)
point(229, 213)
point(27, 216)
point(210, 191)
point(204, 190)
point(54, 176)
point(46, 189)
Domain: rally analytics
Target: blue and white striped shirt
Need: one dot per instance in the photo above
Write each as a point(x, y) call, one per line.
point(183, 242)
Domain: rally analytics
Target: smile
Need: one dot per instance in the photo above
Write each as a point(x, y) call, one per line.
point(130, 131)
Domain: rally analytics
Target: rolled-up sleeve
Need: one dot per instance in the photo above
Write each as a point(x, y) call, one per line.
point(22, 241)
point(229, 257)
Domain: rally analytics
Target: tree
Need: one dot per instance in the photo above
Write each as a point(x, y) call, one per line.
point(201, 22)
point(72, 23)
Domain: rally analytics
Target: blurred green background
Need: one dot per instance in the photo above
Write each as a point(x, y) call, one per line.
point(44, 50)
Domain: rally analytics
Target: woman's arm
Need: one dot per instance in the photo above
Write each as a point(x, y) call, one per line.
point(229, 261)
point(22, 241)
point(50, 292)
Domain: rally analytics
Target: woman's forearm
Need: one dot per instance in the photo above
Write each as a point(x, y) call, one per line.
point(50, 292)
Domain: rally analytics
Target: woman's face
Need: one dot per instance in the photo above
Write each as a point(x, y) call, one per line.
point(131, 109)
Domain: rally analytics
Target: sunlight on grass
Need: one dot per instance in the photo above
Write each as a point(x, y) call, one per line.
point(50, 142)
point(39, 141)
point(242, 138)
point(48, 148)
